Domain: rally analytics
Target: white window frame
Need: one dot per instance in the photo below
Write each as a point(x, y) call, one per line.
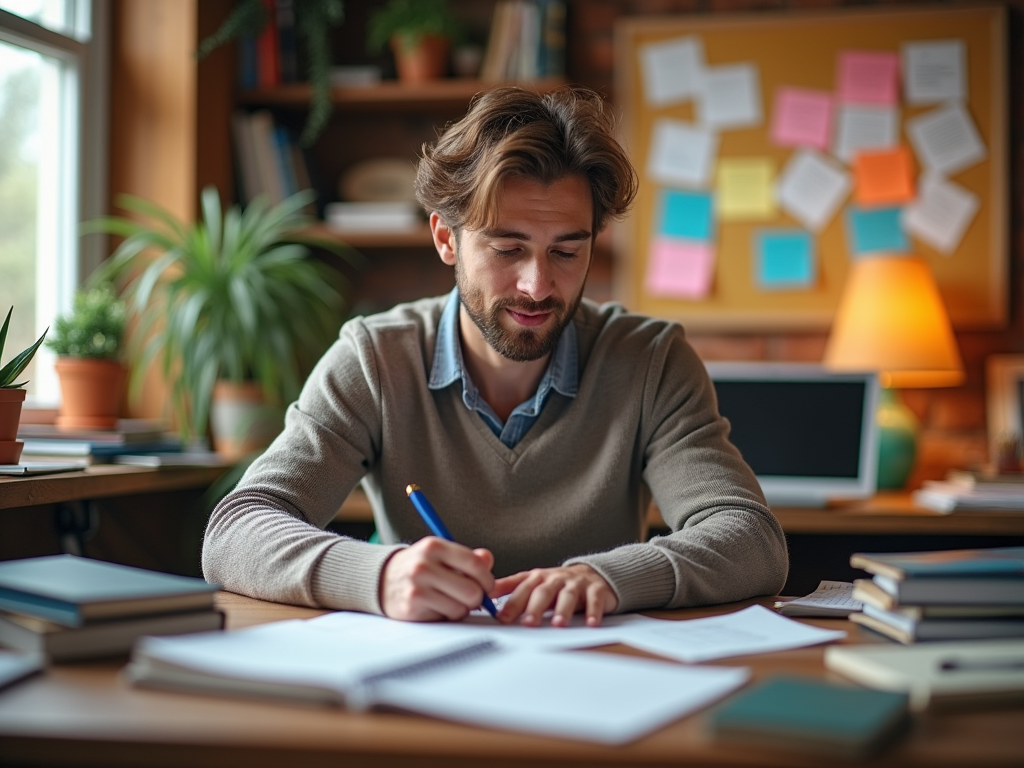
point(83, 139)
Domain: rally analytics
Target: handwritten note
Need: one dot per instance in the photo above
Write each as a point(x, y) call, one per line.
point(883, 177)
point(946, 140)
point(802, 117)
point(830, 599)
point(731, 96)
point(876, 230)
point(672, 70)
point(811, 188)
point(680, 269)
point(941, 214)
point(865, 128)
point(681, 154)
point(868, 77)
point(686, 215)
point(785, 259)
point(744, 186)
point(935, 71)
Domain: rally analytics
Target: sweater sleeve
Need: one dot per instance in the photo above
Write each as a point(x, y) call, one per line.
point(725, 544)
point(266, 538)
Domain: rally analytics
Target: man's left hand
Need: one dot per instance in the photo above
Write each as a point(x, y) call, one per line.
point(565, 590)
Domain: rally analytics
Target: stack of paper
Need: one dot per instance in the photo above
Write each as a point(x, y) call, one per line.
point(946, 496)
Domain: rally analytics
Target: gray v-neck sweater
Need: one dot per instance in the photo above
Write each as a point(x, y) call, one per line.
point(574, 489)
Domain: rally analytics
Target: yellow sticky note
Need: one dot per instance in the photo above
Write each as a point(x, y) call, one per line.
point(744, 187)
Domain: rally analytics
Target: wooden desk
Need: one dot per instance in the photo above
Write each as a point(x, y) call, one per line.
point(85, 714)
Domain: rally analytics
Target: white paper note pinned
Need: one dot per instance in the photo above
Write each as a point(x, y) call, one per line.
point(862, 128)
point(941, 214)
point(681, 153)
point(934, 71)
point(946, 140)
point(672, 70)
point(811, 189)
point(731, 96)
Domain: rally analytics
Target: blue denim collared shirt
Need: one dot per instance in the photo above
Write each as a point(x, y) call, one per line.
point(561, 375)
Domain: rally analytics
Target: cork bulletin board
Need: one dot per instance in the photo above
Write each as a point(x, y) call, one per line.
point(806, 53)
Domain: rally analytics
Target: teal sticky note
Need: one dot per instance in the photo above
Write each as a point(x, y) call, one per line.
point(785, 258)
point(875, 229)
point(686, 215)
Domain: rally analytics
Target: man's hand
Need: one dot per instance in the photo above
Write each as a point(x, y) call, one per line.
point(566, 590)
point(435, 579)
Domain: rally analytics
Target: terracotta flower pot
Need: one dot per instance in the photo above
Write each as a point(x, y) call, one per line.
point(10, 451)
point(11, 401)
point(424, 62)
point(91, 392)
point(241, 421)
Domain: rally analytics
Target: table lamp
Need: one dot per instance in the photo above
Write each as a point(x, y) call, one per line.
point(891, 319)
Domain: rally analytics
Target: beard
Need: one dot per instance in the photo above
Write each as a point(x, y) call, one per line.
point(521, 344)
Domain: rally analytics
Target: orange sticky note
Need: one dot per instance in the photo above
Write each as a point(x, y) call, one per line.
point(883, 178)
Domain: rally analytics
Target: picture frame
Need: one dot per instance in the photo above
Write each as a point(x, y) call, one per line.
point(1004, 377)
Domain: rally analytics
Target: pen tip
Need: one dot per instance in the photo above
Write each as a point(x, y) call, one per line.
point(410, 488)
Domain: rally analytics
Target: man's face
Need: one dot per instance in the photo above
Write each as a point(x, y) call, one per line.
point(521, 280)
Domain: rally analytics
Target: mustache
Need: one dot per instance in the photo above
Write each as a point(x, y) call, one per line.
point(549, 304)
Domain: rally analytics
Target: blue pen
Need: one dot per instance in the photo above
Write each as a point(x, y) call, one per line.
point(437, 528)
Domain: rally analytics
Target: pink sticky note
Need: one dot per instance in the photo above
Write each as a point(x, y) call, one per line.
point(868, 77)
point(680, 268)
point(802, 118)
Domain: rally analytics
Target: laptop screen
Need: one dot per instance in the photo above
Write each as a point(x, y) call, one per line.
point(808, 434)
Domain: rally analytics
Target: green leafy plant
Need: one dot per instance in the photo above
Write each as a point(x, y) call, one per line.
point(14, 368)
point(236, 295)
point(314, 20)
point(94, 328)
point(410, 21)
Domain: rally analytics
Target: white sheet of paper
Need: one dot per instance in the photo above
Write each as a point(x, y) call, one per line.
point(863, 128)
point(946, 140)
point(681, 154)
point(934, 71)
point(812, 187)
point(730, 96)
point(602, 697)
point(831, 598)
point(672, 70)
point(941, 213)
point(751, 630)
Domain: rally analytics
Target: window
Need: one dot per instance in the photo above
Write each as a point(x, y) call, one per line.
point(52, 165)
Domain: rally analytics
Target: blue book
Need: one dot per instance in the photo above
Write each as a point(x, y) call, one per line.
point(811, 715)
point(73, 591)
point(996, 562)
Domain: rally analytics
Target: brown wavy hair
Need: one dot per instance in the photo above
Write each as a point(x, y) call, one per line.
point(513, 131)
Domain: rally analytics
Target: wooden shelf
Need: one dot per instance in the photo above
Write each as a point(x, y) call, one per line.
point(389, 95)
point(417, 238)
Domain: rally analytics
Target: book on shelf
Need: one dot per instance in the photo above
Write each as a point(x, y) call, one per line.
point(270, 162)
point(27, 468)
point(268, 61)
point(526, 41)
point(812, 715)
point(73, 591)
point(91, 452)
point(124, 432)
point(944, 496)
point(373, 216)
point(57, 642)
point(416, 669)
point(971, 672)
point(909, 628)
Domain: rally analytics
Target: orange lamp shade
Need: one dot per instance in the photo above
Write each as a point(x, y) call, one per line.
point(891, 319)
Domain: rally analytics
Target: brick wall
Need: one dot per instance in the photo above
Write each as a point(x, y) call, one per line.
point(952, 419)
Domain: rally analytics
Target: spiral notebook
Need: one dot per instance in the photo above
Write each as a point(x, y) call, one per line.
point(601, 697)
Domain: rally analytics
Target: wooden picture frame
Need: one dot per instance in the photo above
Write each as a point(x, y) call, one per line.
point(1004, 379)
point(801, 50)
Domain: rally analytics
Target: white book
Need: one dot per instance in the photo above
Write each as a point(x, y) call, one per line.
point(372, 217)
point(607, 698)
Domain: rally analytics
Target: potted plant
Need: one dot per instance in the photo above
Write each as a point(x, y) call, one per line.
point(232, 305)
point(87, 342)
point(12, 395)
point(420, 33)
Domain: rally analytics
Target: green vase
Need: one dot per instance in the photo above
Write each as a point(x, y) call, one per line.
point(897, 441)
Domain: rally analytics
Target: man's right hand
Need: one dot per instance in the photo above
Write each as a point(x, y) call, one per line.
point(435, 579)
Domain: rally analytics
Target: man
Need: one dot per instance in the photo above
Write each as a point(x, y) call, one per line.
point(539, 423)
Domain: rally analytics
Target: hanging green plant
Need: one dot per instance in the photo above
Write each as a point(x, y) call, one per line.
point(314, 20)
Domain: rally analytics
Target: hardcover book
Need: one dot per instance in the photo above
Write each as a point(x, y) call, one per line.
point(910, 629)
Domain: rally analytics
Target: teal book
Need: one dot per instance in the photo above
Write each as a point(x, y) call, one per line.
point(73, 591)
point(810, 715)
point(997, 562)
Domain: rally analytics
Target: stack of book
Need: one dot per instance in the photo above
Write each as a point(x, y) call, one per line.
point(46, 442)
point(964, 490)
point(947, 595)
point(64, 607)
point(269, 160)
